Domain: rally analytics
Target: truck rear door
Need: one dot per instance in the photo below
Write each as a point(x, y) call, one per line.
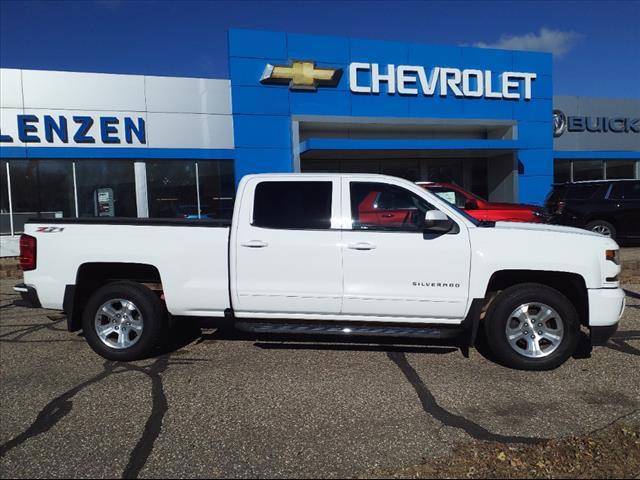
point(287, 247)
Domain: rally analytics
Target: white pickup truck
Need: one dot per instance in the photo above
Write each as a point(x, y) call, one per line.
point(349, 254)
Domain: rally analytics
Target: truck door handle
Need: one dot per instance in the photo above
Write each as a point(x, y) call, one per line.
point(254, 244)
point(387, 215)
point(361, 246)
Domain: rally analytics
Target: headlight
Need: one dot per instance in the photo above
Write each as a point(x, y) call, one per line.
point(614, 256)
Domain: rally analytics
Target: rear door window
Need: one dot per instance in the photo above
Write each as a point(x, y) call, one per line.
point(625, 191)
point(586, 192)
point(293, 205)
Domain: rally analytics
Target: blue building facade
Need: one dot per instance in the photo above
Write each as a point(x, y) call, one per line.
point(268, 117)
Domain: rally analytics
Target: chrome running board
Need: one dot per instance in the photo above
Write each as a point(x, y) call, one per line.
point(349, 330)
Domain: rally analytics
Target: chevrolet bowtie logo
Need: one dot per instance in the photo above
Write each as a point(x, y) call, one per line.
point(301, 75)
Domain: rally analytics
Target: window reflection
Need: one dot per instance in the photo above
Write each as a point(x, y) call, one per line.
point(41, 189)
point(106, 188)
point(171, 189)
point(5, 221)
point(562, 171)
point(588, 170)
point(617, 169)
point(216, 188)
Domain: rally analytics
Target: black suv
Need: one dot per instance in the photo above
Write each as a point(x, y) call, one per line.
point(609, 207)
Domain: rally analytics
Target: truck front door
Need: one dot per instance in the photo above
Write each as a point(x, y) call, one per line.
point(287, 248)
point(391, 268)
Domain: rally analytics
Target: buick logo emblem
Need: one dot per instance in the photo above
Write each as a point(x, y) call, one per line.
point(559, 123)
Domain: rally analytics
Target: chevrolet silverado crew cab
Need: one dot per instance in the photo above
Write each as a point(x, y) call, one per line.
point(307, 253)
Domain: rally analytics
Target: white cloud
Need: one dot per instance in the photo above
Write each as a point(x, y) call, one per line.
point(553, 41)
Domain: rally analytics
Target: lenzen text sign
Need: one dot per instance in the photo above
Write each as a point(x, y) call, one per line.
point(79, 129)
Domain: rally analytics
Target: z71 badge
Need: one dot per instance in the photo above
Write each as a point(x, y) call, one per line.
point(49, 229)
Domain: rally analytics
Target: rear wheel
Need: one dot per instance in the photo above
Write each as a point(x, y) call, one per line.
point(532, 327)
point(124, 321)
point(602, 227)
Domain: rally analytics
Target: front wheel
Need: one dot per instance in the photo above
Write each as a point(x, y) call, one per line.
point(532, 327)
point(124, 321)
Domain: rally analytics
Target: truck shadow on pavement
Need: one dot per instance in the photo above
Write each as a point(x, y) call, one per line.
point(22, 332)
point(395, 353)
point(61, 406)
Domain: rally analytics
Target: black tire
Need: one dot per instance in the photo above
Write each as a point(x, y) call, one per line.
point(151, 308)
point(602, 225)
point(499, 314)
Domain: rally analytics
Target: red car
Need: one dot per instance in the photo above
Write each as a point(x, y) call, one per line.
point(482, 209)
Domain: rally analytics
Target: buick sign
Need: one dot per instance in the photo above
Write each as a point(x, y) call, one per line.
point(577, 124)
point(559, 123)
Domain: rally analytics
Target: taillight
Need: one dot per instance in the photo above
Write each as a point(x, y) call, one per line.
point(560, 207)
point(27, 252)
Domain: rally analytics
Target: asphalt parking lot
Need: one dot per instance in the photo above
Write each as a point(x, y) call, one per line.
point(224, 405)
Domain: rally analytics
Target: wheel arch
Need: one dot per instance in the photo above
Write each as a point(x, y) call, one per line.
point(571, 285)
point(93, 275)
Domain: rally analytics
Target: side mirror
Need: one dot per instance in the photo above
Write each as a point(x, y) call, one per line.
point(470, 204)
point(437, 222)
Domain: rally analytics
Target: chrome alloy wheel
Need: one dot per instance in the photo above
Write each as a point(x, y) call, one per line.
point(119, 323)
point(602, 230)
point(535, 330)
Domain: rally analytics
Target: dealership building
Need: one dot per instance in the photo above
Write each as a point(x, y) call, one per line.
point(76, 144)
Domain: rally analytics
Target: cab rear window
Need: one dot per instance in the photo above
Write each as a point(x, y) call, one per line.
point(293, 205)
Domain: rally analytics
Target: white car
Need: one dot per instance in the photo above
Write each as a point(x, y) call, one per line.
point(343, 254)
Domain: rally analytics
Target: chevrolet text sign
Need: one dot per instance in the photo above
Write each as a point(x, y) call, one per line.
point(413, 80)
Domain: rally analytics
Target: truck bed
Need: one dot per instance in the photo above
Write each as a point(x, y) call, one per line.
point(191, 257)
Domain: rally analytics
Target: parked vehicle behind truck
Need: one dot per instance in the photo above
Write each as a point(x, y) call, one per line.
point(608, 207)
point(481, 209)
point(304, 254)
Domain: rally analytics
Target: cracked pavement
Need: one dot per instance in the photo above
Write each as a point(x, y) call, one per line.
point(231, 405)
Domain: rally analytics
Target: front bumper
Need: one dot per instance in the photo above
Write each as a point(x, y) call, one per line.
point(29, 295)
point(605, 309)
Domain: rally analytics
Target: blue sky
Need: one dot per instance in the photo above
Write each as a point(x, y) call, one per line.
point(596, 44)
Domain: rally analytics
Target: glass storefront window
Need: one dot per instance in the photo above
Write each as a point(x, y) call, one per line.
point(171, 189)
point(106, 188)
point(587, 170)
point(5, 221)
point(404, 168)
point(620, 169)
point(41, 189)
point(216, 183)
point(593, 170)
point(562, 171)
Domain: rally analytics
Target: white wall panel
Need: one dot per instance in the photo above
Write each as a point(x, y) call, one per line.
point(183, 112)
point(83, 91)
point(183, 130)
point(10, 88)
point(188, 95)
point(94, 130)
point(9, 125)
